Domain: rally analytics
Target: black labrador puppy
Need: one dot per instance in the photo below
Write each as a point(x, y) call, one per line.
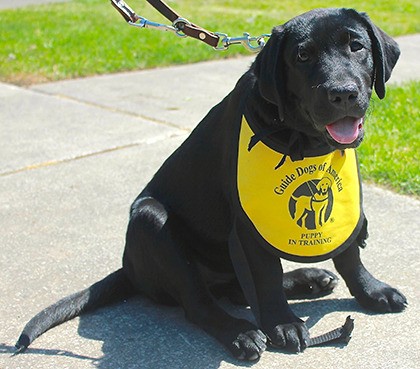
point(269, 173)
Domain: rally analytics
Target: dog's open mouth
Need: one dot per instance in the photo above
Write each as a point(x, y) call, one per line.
point(346, 130)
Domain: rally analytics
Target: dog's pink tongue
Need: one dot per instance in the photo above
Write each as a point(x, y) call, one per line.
point(346, 130)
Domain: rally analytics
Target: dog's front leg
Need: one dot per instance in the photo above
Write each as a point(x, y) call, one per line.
point(369, 292)
point(261, 277)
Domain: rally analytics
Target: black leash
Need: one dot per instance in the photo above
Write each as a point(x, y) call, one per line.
point(342, 334)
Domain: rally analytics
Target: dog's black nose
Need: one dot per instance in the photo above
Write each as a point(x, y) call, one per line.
point(343, 95)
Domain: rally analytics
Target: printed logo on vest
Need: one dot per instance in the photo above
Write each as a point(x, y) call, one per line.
point(310, 205)
point(304, 208)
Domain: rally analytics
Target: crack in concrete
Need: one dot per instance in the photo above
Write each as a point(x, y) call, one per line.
point(49, 163)
point(109, 108)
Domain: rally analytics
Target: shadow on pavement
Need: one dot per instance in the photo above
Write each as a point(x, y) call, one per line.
point(141, 334)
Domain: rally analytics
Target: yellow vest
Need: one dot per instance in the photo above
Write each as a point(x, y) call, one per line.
point(307, 210)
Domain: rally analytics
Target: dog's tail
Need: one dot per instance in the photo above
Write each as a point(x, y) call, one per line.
point(115, 287)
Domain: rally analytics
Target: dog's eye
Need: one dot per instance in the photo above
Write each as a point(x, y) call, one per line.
point(355, 46)
point(302, 55)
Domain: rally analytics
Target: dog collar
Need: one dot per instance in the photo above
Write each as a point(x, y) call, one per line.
point(307, 210)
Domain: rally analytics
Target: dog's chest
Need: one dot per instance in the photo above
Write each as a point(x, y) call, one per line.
point(306, 210)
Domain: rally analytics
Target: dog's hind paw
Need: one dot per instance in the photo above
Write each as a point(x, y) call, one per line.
point(382, 298)
point(309, 283)
point(249, 345)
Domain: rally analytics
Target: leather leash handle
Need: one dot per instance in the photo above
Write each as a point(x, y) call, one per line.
point(164, 9)
point(189, 29)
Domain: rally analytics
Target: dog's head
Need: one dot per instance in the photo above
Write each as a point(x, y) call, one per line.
point(319, 69)
point(323, 186)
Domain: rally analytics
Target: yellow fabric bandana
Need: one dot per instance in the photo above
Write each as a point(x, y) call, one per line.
point(308, 209)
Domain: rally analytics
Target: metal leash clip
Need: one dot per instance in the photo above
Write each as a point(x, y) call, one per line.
point(254, 44)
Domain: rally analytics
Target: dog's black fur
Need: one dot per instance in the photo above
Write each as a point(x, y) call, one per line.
point(316, 69)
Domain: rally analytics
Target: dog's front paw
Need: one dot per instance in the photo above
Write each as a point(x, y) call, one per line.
point(381, 297)
point(249, 345)
point(293, 337)
point(309, 282)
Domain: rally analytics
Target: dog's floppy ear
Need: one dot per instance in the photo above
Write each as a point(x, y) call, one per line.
point(385, 54)
point(268, 68)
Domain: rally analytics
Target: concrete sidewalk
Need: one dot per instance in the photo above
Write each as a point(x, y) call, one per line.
point(75, 154)
point(13, 4)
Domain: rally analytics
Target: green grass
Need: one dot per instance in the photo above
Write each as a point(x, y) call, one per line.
point(389, 156)
point(87, 37)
